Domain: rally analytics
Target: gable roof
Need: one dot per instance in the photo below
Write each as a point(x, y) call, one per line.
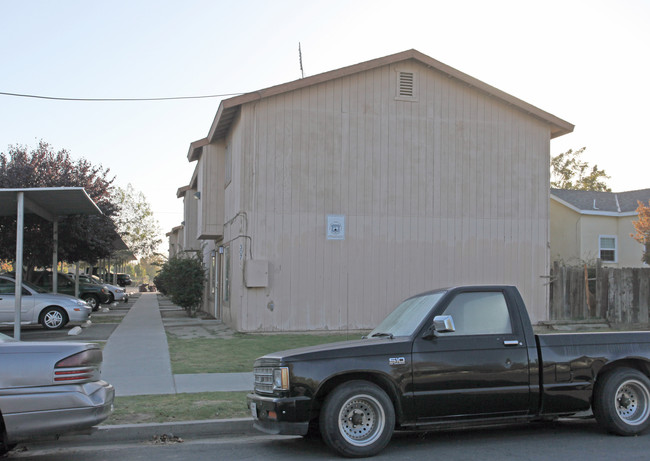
point(601, 203)
point(228, 108)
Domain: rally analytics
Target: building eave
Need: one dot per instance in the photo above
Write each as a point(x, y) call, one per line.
point(196, 148)
point(229, 108)
point(181, 191)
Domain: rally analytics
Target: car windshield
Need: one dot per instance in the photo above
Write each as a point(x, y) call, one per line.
point(404, 320)
point(26, 284)
point(34, 287)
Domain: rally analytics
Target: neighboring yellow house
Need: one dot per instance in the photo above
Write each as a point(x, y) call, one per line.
point(587, 225)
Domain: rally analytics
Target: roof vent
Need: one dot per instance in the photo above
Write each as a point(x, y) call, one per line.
point(406, 84)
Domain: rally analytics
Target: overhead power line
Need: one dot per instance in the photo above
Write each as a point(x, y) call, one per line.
point(170, 98)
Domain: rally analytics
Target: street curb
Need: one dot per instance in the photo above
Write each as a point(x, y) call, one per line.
point(183, 429)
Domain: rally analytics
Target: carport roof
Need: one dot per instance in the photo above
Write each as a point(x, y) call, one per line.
point(49, 202)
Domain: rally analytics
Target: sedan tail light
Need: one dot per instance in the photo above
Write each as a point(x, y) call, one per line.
point(80, 367)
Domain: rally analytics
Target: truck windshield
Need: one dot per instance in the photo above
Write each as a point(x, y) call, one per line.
point(407, 316)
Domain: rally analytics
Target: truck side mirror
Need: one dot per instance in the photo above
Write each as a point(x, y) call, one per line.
point(441, 324)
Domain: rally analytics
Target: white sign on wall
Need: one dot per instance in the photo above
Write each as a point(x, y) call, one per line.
point(335, 227)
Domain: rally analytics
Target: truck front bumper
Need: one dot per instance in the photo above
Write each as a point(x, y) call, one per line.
point(280, 415)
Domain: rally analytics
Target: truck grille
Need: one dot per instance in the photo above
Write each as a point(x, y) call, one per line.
point(264, 380)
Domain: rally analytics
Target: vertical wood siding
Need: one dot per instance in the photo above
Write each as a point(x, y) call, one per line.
point(451, 189)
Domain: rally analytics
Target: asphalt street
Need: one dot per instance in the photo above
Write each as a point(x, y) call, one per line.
point(567, 440)
point(95, 332)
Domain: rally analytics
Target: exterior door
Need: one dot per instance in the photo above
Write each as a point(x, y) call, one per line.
point(480, 370)
point(215, 265)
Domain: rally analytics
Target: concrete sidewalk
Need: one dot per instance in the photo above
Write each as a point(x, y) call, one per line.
point(136, 358)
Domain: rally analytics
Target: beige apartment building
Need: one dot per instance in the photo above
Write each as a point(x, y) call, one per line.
point(321, 203)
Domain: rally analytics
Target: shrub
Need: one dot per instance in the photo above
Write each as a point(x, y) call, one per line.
point(182, 279)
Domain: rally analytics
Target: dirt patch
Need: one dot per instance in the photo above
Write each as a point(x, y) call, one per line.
point(200, 331)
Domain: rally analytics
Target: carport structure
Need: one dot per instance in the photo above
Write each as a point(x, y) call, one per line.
point(50, 203)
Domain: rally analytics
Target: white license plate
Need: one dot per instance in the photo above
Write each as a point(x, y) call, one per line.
point(254, 410)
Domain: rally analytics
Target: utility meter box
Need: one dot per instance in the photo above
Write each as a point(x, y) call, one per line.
point(256, 273)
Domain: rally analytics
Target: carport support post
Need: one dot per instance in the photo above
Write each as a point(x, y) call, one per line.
point(76, 279)
point(55, 257)
point(18, 270)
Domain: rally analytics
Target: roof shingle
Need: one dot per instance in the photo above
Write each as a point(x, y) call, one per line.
point(613, 202)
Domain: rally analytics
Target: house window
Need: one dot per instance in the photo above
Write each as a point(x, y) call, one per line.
point(607, 248)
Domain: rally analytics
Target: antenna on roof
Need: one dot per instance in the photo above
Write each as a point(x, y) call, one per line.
point(302, 72)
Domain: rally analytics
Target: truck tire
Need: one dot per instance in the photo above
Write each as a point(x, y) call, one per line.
point(92, 300)
point(357, 419)
point(622, 401)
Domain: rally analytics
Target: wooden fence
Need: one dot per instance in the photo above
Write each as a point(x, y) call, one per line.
point(619, 296)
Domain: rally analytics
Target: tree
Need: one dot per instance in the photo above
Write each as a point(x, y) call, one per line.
point(135, 222)
point(81, 238)
point(642, 227)
point(182, 279)
point(568, 171)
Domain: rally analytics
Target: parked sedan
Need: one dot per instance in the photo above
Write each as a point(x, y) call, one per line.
point(114, 293)
point(93, 294)
point(49, 389)
point(53, 311)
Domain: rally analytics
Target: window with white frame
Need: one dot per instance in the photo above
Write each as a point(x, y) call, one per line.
point(607, 248)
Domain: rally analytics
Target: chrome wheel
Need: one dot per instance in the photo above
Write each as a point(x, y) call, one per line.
point(361, 420)
point(92, 301)
point(621, 401)
point(632, 402)
point(357, 419)
point(53, 319)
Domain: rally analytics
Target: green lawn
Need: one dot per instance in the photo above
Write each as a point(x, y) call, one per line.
point(141, 409)
point(236, 355)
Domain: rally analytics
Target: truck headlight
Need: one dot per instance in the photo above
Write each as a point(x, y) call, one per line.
point(281, 378)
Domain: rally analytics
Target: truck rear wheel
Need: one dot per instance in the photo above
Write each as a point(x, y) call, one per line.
point(357, 419)
point(622, 401)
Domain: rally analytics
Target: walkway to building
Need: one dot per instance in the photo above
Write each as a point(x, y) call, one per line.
point(136, 358)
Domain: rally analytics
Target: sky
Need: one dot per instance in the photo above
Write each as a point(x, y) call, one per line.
point(585, 62)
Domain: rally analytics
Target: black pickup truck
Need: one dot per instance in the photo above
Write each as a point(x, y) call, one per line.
point(459, 356)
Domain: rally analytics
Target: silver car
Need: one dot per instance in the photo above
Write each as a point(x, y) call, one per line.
point(50, 389)
point(115, 293)
point(53, 311)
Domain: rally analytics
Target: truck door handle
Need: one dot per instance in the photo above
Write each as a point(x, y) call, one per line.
point(511, 342)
